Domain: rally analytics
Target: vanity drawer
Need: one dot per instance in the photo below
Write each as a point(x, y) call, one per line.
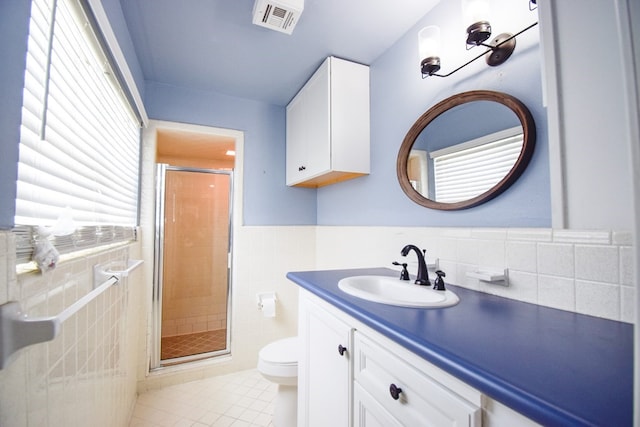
point(421, 399)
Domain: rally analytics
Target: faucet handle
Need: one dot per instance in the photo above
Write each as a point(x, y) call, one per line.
point(438, 284)
point(404, 274)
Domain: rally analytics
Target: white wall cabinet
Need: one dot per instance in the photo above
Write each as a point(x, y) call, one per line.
point(328, 126)
point(355, 389)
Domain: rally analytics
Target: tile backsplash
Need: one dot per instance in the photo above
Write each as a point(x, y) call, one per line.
point(589, 272)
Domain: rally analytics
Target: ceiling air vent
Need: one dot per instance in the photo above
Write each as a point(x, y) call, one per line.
point(279, 15)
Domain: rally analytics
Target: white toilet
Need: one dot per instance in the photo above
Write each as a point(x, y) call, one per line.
point(278, 363)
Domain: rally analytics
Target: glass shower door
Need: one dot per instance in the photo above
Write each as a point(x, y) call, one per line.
point(193, 268)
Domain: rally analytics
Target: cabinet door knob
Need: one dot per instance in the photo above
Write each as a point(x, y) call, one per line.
point(395, 391)
point(341, 349)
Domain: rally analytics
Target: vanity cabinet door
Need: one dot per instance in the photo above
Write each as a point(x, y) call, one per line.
point(403, 390)
point(324, 367)
point(367, 412)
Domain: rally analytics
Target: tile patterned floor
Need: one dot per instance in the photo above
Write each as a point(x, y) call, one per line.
point(241, 399)
point(187, 345)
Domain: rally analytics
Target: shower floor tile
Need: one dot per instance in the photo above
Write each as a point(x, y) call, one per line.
point(197, 343)
point(243, 398)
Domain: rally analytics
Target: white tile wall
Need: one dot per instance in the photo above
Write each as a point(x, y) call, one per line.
point(556, 292)
point(589, 272)
point(555, 259)
point(86, 375)
point(262, 258)
point(96, 357)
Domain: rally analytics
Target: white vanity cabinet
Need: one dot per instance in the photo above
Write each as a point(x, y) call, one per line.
point(324, 367)
point(328, 126)
point(354, 389)
point(393, 390)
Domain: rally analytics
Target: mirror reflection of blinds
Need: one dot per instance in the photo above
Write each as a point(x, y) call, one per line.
point(469, 169)
point(79, 143)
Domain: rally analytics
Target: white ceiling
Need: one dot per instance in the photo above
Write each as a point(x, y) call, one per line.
point(212, 44)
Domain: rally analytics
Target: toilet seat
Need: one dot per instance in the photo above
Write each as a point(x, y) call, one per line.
point(284, 351)
point(278, 361)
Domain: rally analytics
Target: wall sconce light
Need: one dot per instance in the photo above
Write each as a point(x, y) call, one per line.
point(477, 12)
point(429, 47)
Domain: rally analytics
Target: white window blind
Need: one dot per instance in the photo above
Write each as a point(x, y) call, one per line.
point(79, 141)
point(471, 168)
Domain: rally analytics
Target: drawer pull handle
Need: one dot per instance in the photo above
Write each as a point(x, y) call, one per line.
point(341, 349)
point(395, 391)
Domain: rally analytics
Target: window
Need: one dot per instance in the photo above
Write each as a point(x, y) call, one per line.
point(469, 169)
point(80, 137)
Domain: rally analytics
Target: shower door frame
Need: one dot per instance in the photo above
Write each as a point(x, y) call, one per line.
point(156, 361)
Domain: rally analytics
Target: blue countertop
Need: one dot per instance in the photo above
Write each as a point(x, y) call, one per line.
point(556, 367)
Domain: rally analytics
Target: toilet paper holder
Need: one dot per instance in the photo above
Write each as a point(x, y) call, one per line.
point(263, 296)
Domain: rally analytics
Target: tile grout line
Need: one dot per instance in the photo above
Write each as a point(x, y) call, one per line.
point(169, 407)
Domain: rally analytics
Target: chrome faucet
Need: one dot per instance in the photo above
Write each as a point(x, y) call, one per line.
point(423, 275)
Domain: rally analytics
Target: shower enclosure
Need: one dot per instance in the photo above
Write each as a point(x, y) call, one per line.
point(192, 265)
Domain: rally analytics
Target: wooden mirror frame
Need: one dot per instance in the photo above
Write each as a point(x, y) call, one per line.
point(529, 135)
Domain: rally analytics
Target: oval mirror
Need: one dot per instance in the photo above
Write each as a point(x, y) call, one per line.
point(466, 150)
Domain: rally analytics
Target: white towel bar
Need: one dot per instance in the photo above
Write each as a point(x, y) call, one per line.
point(17, 330)
point(102, 272)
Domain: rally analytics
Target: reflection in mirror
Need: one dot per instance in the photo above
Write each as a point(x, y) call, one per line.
point(463, 164)
point(466, 150)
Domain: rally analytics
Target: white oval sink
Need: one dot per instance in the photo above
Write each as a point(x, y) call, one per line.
point(393, 291)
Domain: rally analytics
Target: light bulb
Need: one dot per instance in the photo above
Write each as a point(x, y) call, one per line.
point(429, 50)
point(475, 11)
point(429, 42)
point(476, 15)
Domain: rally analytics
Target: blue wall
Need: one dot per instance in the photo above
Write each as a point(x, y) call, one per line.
point(398, 97)
point(267, 200)
point(14, 31)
